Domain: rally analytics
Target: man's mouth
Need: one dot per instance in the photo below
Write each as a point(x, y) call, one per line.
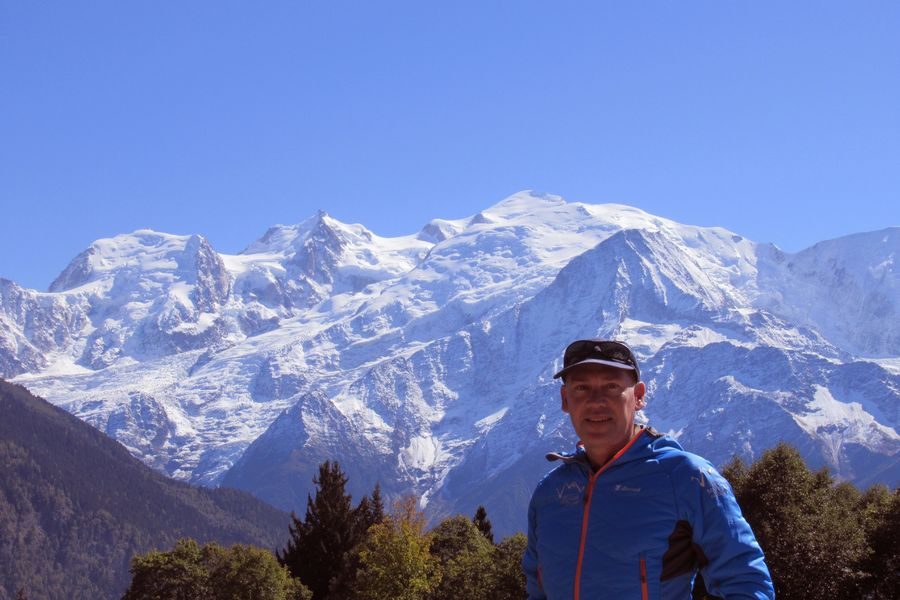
point(598, 419)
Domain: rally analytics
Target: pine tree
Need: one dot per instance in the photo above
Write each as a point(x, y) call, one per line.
point(323, 541)
point(370, 511)
point(483, 523)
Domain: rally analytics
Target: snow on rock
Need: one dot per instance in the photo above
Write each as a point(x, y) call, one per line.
point(425, 362)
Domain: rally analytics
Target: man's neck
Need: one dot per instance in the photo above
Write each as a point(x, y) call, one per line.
point(599, 458)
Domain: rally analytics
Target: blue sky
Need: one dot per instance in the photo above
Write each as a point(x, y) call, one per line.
point(778, 120)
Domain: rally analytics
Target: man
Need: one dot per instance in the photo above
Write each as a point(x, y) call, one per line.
point(630, 514)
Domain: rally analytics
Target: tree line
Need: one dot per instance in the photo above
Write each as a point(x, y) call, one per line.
point(822, 539)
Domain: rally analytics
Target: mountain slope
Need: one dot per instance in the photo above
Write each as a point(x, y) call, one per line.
point(75, 506)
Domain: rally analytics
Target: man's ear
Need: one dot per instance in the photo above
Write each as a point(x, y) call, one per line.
point(639, 390)
point(563, 399)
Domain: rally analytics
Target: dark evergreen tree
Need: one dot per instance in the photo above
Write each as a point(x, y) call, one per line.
point(322, 542)
point(291, 553)
point(483, 523)
point(369, 512)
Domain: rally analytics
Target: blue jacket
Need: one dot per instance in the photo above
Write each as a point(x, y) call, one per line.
point(640, 527)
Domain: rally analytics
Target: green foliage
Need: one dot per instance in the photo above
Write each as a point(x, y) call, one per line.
point(465, 558)
point(212, 572)
point(179, 574)
point(395, 562)
point(811, 530)
point(881, 566)
point(508, 579)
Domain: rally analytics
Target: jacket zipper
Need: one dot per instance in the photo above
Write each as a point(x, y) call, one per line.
point(644, 594)
point(587, 511)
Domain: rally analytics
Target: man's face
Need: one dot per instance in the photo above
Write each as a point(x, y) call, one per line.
point(602, 401)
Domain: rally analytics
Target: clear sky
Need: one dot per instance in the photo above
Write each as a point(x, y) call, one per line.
point(778, 120)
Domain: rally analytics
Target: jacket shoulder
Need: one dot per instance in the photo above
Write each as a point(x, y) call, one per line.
point(564, 473)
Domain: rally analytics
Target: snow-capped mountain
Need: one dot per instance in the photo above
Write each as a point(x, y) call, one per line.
point(425, 362)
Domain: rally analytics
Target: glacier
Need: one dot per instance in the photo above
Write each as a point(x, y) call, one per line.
point(424, 362)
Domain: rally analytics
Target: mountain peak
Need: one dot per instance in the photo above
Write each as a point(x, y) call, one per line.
point(143, 249)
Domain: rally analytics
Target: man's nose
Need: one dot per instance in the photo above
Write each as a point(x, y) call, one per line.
point(597, 395)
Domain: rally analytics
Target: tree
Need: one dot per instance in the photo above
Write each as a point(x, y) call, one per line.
point(178, 575)
point(243, 572)
point(881, 565)
point(395, 562)
point(508, 577)
point(319, 544)
point(190, 572)
point(465, 558)
point(370, 511)
point(484, 524)
point(810, 529)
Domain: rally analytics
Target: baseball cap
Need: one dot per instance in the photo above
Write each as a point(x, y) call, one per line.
point(599, 352)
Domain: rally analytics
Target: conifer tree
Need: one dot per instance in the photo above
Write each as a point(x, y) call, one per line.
point(483, 523)
point(315, 552)
point(321, 544)
point(370, 511)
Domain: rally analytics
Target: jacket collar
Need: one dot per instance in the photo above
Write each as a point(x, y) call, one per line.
point(638, 448)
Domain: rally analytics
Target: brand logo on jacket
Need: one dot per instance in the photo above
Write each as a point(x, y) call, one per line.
point(624, 489)
point(570, 493)
point(711, 482)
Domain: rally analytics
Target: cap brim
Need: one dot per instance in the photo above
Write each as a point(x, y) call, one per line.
point(595, 361)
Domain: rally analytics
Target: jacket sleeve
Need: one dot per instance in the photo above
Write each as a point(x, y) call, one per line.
point(731, 560)
point(530, 562)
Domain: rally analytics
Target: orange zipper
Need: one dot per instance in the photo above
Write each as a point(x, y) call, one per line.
point(644, 594)
point(587, 511)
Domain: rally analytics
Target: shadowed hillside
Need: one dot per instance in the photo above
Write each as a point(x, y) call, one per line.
point(75, 506)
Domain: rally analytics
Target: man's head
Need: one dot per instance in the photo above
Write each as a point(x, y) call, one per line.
point(602, 352)
point(601, 393)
